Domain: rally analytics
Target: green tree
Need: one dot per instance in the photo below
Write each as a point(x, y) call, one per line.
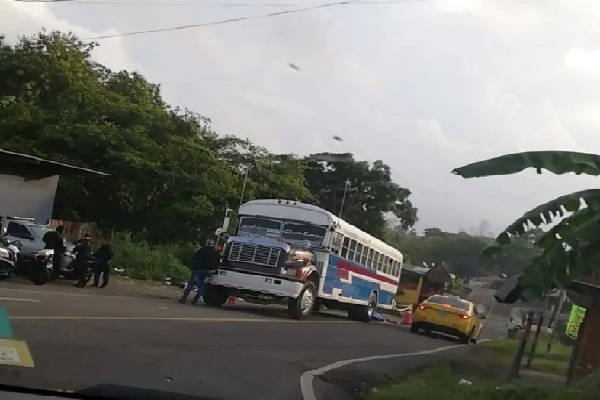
point(460, 252)
point(370, 192)
point(171, 176)
point(569, 250)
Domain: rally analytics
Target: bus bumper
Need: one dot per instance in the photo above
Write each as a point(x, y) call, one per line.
point(256, 283)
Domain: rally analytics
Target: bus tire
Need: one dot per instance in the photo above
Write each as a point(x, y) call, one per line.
point(302, 306)
point(214, 296)
point(363, 313)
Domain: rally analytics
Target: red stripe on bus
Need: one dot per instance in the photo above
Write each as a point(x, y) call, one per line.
point(345, 265)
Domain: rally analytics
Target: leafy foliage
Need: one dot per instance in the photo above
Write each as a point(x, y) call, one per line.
point(460, 252)
point(370, 191)
point(569, 249)
point(557, 162)
point(172, 177)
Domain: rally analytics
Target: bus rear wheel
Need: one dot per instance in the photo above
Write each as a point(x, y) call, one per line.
point(363, 313)
point(302, 306)
point(214, 296)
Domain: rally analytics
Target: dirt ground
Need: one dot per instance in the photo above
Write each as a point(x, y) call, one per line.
point(120, 286)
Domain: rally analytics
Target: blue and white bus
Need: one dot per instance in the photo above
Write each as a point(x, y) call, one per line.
point(304, 256)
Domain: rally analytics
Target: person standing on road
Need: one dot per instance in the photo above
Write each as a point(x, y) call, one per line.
point(83, 257)
point(103, 257)
point(54, 240)
point(204, 261)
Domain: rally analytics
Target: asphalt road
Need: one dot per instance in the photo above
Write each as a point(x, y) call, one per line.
point(83, 338)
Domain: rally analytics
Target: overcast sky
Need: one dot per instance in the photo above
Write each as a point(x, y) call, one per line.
point(424, 85)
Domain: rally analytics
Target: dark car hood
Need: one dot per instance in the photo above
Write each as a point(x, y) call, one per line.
point(101, 392)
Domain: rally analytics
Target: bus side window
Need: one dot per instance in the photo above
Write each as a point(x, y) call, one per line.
point(359, 250)
point(370, 258)
point(345, 247)
point(377, 261)
point(384, 263)
point(363, 258)
point(351, 250)
point(395, 268)
point(390, 266)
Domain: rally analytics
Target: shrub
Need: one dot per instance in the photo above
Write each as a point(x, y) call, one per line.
point(144, 261)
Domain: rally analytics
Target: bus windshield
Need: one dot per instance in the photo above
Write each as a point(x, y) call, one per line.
point(260, 227)
point(305, 235)
point(294, 233)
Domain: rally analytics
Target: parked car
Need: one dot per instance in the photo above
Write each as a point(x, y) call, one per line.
point(31, 235)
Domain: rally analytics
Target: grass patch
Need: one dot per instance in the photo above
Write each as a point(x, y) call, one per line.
point(555, 361)
point(441, 382)
point(147, 262)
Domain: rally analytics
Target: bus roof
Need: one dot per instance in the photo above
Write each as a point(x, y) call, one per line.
point(289, 209)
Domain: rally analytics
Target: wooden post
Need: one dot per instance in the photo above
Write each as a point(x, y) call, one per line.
point(516, 364)
point(535, 342)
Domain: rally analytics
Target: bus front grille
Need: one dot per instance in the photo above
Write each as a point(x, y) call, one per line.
point(254, 254)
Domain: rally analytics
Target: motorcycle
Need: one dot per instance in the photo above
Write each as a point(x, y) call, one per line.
point(69, 271)
point(40, 267)
point(9, 252)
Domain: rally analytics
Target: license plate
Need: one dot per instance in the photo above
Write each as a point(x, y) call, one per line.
point(442, 313)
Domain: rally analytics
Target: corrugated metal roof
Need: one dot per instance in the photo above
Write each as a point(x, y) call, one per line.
point(11, 156)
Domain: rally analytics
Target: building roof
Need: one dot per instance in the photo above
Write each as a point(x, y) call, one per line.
point(414, 269)
point(19, 164)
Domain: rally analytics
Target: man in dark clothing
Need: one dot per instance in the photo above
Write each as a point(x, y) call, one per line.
point(83, 257)
point(205, 260)
point(54, 240)
point(103, 256)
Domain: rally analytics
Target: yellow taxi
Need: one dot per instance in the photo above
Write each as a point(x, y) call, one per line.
point(449, 315)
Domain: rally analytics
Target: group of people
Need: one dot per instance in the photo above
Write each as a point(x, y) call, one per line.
point(84, 257)
point(203, 262)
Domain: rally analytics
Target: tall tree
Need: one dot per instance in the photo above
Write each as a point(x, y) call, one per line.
point(460, 252)
point(570, 248)
point(370, 191)
point(171, 176)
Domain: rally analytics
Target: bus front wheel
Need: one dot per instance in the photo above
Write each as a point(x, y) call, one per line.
point(302, 306)
point(214, 295)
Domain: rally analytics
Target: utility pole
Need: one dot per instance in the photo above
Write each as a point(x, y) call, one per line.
point(347, 185)
point(246, 169)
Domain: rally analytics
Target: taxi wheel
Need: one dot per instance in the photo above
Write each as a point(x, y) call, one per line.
point(467, 339)
point(475, 339)
point(414, 328)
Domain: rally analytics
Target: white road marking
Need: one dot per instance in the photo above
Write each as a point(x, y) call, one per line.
point(163, 307)
point(306, 380)
point(19, 299)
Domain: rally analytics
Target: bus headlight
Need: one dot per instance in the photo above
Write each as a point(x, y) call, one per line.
point(298, 273)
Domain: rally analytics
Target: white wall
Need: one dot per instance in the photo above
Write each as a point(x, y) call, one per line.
point(34, 198)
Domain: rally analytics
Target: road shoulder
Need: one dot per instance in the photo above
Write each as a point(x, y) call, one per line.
point(351, 382)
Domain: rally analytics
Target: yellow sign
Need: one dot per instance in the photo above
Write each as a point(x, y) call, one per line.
point(15, 352)
point(575, 320)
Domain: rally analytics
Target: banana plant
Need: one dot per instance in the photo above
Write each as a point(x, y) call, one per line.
point(571, 248)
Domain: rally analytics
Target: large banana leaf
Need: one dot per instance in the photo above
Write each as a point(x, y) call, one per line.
point(547, 213)
point(570, 250)
point(557, 162)
point(582, 226)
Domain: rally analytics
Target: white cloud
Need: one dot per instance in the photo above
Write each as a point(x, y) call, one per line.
point(425, 86)
point(582, 60)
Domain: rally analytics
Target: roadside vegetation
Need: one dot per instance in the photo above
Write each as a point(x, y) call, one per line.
point(551, 361)
point(442, 381)
point(141, 260)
